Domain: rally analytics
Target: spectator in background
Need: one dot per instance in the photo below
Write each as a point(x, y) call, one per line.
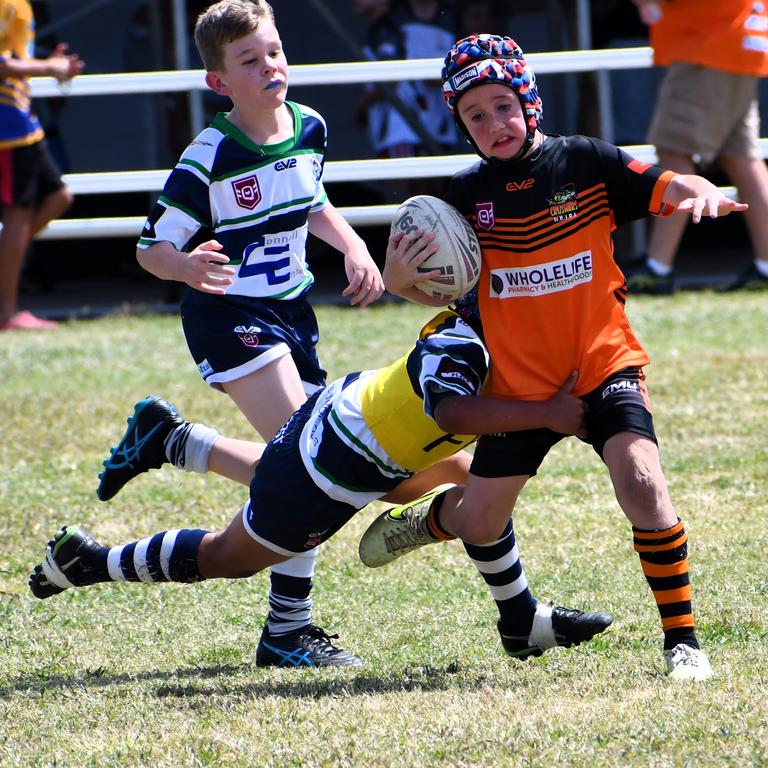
point(707, 112)
point(413, 123)
point(31, 190)
point(476, 17)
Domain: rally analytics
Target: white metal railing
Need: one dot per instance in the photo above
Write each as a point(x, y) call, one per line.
point(335, 171)
point(336, 74)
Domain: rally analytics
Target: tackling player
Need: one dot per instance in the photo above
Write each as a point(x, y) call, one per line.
point(349, 444)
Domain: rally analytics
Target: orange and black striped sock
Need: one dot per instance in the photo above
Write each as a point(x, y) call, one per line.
point(433, 519)
point(664, 558)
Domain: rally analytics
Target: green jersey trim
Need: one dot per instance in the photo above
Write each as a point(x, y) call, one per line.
point(173, 204)
point(361, 447)
point(261, 214)
point(222, 123)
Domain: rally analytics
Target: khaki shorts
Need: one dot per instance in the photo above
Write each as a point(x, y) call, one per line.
point(706, 113)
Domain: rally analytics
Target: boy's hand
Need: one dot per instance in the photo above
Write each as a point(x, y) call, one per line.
point(62, 65)
point(568, 413)
point(405, 253)
point(365, 282)
point(204, 268)
point(714, 204)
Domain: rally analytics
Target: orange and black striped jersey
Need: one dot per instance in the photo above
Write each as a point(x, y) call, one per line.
point(551, 296)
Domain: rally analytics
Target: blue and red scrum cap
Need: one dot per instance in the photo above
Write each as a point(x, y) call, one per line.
point(482, 59)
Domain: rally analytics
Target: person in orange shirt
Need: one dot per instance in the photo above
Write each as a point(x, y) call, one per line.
point(31, 190)
point(706, 114)
point(551, 301)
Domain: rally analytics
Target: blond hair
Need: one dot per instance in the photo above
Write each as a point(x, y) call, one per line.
point(224, 22)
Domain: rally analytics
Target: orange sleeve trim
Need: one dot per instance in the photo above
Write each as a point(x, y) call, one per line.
point(657, 206)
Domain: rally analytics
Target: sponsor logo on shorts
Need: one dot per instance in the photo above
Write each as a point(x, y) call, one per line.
point(248, 335)
point(485, 216)
point(619, 386)
point(205, 369)
point(540, 279)
point(315, 539)
point(563, 204)
point(247, 192)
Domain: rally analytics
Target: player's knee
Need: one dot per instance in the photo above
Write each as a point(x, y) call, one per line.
point(483, 528)
point(60, 201)
point(641, 488)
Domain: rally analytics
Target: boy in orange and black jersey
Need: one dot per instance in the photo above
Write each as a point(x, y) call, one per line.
point(551, 300)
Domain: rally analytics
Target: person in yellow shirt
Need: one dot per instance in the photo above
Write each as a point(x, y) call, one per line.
point(31, 190)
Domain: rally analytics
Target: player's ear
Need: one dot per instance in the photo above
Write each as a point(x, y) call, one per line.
point(215, 83)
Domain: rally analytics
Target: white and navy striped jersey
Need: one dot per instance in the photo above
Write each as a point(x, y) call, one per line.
point(371, 428)
point(254, 199)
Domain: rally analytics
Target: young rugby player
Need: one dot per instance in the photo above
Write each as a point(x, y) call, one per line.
point(349, 444)
point(551, 299)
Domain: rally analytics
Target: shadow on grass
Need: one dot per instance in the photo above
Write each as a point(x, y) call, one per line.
point(218, 680)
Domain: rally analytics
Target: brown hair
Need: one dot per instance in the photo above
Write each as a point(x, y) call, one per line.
point(224, 22)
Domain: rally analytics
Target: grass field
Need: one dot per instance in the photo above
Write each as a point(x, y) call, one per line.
point(131, 675)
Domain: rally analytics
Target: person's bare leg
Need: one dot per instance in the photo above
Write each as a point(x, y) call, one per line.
point(666, 233)
point(233, 553)
point(452, 470)
point(14, 241)
point(661, 543)
point(50, 208)
point(751, 180)
point(268, 397)
point(235, 459)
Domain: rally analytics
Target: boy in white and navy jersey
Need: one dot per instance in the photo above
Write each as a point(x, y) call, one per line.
point(349, 444)
point(232, 223)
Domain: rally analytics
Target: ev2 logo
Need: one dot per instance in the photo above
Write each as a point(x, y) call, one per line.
point(284, 165)
point(255, 263)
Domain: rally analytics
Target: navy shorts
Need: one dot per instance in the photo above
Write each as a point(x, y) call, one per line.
point(287, 512)
point(232, 336)
point(28, 175)
point(619, 404)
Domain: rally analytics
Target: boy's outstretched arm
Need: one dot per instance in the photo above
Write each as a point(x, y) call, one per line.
point(365, 282)
point(696, 195)
point(204, 268)
point(479, 415)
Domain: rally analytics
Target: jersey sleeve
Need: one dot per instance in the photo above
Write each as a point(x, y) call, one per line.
point(183, 207)
point(635, 188)
point(449, 359)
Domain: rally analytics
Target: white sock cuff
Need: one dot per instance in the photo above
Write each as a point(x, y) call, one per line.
point(658, 267)
point(198, 448)
point(300, 566)
point(542, 633)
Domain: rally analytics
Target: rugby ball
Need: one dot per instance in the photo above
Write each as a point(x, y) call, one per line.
point(458, 254)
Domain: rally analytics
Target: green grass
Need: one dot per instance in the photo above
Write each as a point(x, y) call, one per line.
point(130, 675)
